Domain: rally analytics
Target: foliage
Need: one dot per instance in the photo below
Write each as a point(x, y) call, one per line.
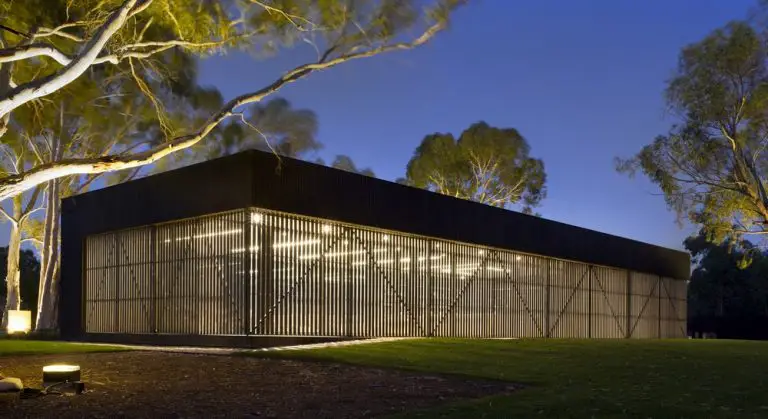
point(111, 112)
point(344, 162)
point(722, 284)
point(581, 378)
point(712, 166)
point(274, 126)
point(486, 164)
point(33, 233)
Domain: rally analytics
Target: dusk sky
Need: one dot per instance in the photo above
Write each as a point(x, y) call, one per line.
point(583, 81)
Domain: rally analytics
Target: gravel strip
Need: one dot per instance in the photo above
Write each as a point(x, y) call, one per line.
point(172, 385)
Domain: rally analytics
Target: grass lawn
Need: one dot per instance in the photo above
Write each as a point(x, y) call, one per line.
point(11, 347)
point(584, 379)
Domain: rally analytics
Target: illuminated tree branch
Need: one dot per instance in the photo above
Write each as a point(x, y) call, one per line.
point(38, 88)
point(18, 183)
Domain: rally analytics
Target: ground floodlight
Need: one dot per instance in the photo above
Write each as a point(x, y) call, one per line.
point(19, 321)
point(54, 374)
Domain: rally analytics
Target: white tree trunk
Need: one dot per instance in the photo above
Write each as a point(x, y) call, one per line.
point(13, 276)
point(49, 262)
point(42, 285)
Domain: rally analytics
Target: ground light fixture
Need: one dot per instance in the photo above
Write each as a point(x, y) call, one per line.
point(62, 377)
point(19, 321)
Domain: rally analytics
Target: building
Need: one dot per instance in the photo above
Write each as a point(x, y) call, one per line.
point(253, 250)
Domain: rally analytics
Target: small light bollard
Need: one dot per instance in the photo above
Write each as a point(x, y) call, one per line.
point(63, 378)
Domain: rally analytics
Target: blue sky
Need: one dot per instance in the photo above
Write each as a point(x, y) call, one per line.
point(583, 81)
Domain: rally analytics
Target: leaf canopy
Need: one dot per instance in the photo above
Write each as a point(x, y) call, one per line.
point(485, 164)
point(712, 165)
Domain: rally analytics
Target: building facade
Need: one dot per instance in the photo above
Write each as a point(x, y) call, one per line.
point(253, 250)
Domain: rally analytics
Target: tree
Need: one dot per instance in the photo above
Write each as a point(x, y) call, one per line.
point(716, 276)
point(344, 162)
point(84, 121)
point(724, 294)
point(712, 166)
point(29, 269)
point(20, 222)
point(130, 33)
point(274, 126)
point(13, 160)
point(486, 164)
point(107, 113)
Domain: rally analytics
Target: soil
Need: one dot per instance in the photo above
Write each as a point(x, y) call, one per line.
point(172, 385)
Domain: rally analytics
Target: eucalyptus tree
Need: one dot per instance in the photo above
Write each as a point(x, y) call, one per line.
point(712, 166)
point(22, 228)
point(127, 34)
point(107, 113)
point(485, 164)
point(89, 120)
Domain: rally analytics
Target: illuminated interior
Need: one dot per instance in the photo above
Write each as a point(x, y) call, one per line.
point(257, 272)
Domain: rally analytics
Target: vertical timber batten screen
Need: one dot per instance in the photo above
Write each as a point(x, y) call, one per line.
point(263, 273)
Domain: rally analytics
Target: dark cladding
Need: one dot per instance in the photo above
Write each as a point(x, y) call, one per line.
point(249, 245)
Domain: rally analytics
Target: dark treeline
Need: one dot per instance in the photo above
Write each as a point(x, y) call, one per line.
point(728, 292)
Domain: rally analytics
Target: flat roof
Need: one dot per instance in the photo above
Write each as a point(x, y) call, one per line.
point(263, 180)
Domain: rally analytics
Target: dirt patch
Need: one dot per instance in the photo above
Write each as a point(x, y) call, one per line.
point(152, 384)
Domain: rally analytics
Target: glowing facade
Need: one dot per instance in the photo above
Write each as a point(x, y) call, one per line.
point(295, 266)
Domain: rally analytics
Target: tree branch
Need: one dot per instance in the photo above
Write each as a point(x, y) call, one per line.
point(28, 214)
point(38, 88)
point(18, 183)
point(5, 214)
point(37, 50)
point(59, 31)
point(24, 52)
point(750, 232)
point(14, 31)
point(139, 50)
point(32, 200)
point(289, 17)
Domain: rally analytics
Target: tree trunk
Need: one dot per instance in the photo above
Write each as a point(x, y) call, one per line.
point(49, 262)
point(42, 284)
point(13, 277)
